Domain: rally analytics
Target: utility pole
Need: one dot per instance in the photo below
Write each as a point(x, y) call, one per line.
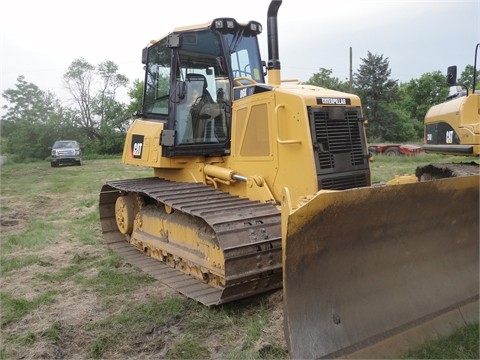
point(350, 82)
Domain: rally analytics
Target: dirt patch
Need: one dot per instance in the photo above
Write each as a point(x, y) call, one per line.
point(13, 221)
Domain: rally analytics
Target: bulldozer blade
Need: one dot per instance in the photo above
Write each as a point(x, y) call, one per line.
point(371, 272)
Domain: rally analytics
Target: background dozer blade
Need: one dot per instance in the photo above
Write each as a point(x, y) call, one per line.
point(370, 272)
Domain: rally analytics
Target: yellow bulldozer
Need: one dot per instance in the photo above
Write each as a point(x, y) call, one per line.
point(453, 127)
point(262, 184)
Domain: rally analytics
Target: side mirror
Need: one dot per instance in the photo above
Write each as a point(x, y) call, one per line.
point(181, 89)
point(144, 56)
point(264, 68)
point(452, 76)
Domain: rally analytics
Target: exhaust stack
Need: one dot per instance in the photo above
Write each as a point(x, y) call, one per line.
point(273, 65)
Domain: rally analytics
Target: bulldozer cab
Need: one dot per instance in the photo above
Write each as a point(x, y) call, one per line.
point(188, 86)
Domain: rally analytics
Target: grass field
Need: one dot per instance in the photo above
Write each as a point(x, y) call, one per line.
point(65, 295)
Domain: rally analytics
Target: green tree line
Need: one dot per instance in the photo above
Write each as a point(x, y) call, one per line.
point(33, 118)
point(395, 111)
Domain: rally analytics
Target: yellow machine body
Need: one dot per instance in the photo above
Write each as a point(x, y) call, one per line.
point(271, 146)
point(453, 127)
point(261, 184)
point(223, 143)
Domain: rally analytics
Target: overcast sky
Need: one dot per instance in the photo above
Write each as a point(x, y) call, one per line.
point(41, 38)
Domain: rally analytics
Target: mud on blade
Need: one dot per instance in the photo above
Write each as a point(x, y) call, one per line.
point(369, 272)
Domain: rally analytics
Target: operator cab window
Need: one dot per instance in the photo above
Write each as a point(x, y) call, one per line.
point(157, 80)
point(188, 82)
point(201, 109)
point(245, 57)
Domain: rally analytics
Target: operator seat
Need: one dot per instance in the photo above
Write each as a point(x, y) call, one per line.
point(197, 84)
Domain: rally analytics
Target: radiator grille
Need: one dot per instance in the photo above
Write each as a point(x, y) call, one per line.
point(337, 135)
point(345, 182)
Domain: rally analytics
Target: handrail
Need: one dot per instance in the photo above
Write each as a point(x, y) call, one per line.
point(280, 141)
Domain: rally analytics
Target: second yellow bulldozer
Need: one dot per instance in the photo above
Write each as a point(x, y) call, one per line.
point(453, 127)
point(237, 162)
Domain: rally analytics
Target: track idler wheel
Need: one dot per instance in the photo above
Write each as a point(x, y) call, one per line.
point(125, 211)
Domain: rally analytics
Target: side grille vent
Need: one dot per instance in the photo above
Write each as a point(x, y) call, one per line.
point(340, 150)
point(345, 182)
point(337, 136)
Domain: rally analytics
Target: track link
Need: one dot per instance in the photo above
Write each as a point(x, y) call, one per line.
point(247, 232)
